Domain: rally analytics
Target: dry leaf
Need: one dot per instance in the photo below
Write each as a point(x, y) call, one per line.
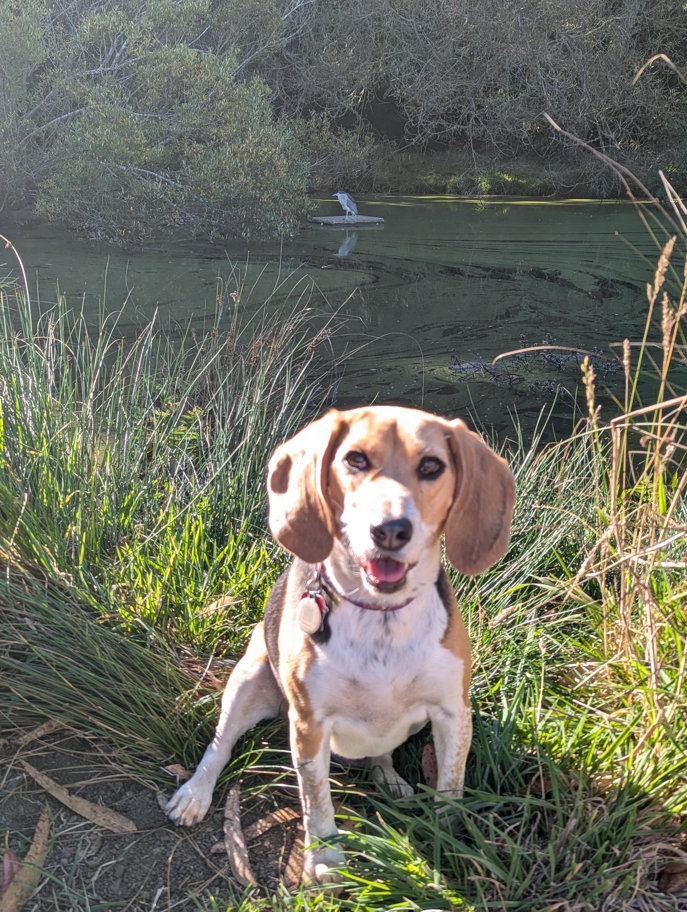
point(222, 602)
point(539, 785)
point(10, 866)
point(276, 818)
point(179, 771)
point(673, 878)
point(217, 849)
point(234, 843)
point(205, 675)
point(293, 871)
point(563, 836)
point(104, 817)
point(430, 769)
point(24, 882)
point(39, 732)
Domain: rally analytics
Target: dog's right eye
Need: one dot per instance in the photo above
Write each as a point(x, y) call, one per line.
point(356, 460)
point(430, 467)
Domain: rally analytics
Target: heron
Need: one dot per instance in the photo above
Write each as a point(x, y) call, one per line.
point(347, 202)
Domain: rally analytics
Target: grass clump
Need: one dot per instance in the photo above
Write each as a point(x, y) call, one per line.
point(132, 510)
point(132, 499)
point(137, 469)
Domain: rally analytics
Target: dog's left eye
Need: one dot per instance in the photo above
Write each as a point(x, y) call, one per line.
point(356, 460)
point(430, 467)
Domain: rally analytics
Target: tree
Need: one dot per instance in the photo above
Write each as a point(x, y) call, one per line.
point(144, 128)
point(127, 118)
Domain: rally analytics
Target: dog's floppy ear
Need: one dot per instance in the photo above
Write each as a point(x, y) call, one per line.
point(300, 516)
point(478, 525)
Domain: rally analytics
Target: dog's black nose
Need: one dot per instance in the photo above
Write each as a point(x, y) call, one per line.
point(393, 534)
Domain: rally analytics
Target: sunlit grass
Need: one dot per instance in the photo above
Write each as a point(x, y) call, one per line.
point(137, 470)
point(133, 545)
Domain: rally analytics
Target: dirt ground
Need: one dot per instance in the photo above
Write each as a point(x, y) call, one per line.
point(159, 866)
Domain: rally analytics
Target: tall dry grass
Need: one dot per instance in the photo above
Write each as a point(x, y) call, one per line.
point(639, 557)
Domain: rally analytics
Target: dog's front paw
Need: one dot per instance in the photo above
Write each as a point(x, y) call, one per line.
point(189, 804)
point(320, 864)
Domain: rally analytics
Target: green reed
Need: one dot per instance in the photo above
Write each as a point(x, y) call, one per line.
point(138, 467)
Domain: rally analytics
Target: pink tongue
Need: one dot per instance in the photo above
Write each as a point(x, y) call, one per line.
point(386, 570)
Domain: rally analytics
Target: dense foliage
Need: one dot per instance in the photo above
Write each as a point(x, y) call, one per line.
point(128, 118)
point(122, 121)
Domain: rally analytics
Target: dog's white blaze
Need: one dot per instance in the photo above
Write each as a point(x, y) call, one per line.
point(392, 501)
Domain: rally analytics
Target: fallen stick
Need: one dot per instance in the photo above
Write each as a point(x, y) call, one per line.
point(234, 843)
point(96, 813)
point(293, 869)
point(430, 767)
point(25, 880)
point(39, 732)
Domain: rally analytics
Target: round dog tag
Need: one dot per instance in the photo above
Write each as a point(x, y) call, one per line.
point(309, 615)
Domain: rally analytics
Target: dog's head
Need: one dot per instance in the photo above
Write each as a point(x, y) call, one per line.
point(384, 483)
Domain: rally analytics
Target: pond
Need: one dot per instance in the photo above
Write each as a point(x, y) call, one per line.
point(429, 298)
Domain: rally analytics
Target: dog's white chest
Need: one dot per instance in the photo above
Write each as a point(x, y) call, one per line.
point(379, 678)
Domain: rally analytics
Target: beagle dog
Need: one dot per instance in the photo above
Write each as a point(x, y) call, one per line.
point(362, 640)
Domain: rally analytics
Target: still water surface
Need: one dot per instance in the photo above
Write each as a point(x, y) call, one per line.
point(432, 296)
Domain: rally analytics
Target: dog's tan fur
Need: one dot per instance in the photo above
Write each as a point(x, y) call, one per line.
point(375, 672)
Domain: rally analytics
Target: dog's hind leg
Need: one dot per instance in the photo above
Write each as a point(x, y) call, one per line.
point(383, 773)
point(251, 694)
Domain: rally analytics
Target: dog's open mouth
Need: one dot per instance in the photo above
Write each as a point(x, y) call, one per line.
point(385, 573)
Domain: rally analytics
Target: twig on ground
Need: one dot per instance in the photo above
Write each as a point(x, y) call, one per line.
point(24, 882)
point(104, 817)
point(234, 842)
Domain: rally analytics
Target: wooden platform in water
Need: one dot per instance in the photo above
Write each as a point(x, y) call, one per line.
point(353, 221)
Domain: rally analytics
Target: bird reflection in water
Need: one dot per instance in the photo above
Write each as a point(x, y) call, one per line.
point(348, 244)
